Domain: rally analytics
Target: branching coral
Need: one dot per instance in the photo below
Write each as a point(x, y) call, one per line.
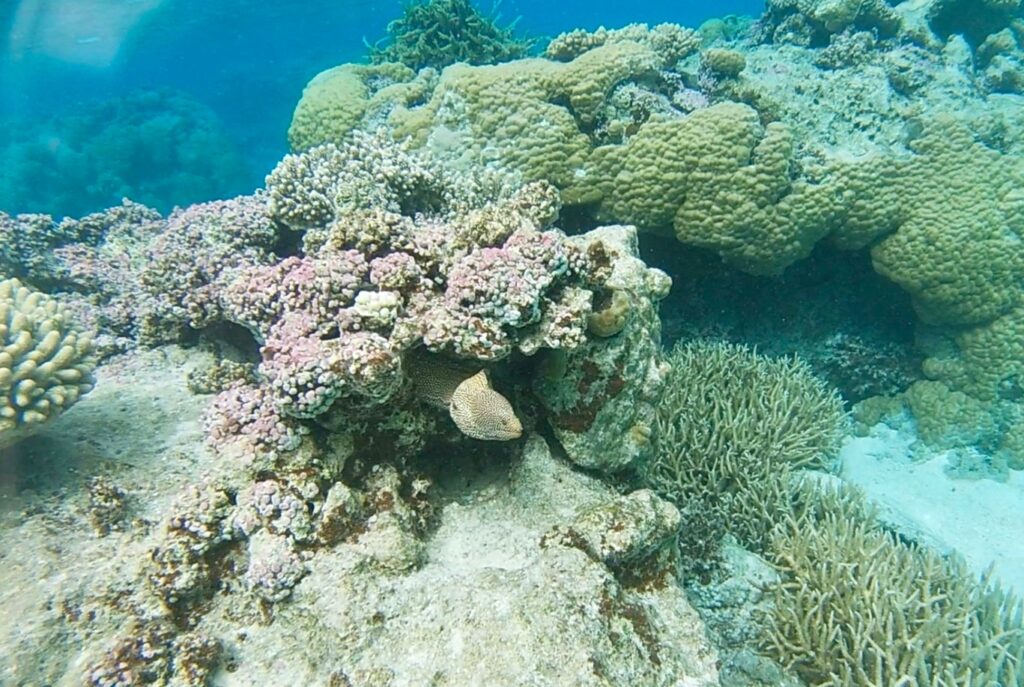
point(731, 426)
point(857, 607)
point(437, 33)
point(46, 363)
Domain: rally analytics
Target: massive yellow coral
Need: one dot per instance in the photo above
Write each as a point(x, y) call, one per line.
point(529, 115)
point(45, 362)
point(337, 100)
point(719, 180)
point(958, 251)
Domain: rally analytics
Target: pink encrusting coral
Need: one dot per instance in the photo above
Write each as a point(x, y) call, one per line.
point(248, 413)
point(431, 260)
point(355, 257)
point(261, 295)
point(308, 371)
point(187, 265)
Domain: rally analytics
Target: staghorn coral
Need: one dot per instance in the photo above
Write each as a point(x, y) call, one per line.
point(858, 607)
point(437, 33)
point(46, 363)
point(730, 428)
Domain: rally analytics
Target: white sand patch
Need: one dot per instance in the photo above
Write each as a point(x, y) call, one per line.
point(982, 519)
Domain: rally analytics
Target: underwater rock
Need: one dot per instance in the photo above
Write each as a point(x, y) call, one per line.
point(601, 406)
point(488, 603)
point(622, 532)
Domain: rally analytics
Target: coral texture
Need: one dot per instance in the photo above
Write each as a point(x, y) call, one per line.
point(731, 426)
point(856, 606)
point(46, 363)
point(437, 33)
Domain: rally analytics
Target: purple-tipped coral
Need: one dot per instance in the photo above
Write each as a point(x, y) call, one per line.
point(248, 414)
point(186, 266)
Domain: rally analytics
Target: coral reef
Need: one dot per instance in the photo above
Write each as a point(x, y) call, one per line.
point(600, 396)
point(518, 591)
point(733, 150)
point(812, 22)
point(338, 99)
point(46, 362)
point(672, 41)
point(437, 388)
point(437, 33)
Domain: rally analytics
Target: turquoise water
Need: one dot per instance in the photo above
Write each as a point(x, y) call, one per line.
point(439, 344)
point(242, 63)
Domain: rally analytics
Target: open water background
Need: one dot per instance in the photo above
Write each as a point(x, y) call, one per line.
point(246, 60)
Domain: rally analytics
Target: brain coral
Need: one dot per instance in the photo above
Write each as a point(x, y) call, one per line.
point(45, 362)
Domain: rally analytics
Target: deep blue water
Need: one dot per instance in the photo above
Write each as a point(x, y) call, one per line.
point(246, 60)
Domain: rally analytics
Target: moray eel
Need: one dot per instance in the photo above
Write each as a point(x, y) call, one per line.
point(478, 410)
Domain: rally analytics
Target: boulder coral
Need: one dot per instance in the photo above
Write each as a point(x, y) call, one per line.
point(719, 180)
point(336, 101)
